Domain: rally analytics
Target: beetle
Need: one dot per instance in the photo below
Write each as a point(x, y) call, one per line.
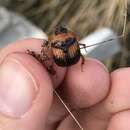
point(62, 47)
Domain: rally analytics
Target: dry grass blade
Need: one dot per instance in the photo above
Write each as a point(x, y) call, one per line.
point(60, 16)
point(71, 114)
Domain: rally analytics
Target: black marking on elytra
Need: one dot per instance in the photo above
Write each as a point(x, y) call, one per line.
point(64, 44)
point(67, 60)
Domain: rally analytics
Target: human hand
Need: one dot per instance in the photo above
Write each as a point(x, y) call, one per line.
point(99, 100)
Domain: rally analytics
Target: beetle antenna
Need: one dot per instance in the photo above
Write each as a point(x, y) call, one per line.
point(66, 107)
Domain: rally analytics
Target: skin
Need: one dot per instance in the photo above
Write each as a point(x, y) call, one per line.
point(99, 100)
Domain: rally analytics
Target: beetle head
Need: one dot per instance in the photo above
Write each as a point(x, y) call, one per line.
point(60, 29)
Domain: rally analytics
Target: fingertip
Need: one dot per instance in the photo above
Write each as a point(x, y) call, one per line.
point(87, 87)
point(30, 90)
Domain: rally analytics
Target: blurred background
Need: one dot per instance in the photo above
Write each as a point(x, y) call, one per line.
point(81, 16)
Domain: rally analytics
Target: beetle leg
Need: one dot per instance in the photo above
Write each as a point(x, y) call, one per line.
point(51, 69)
point(31, 52)
point(82, 62)
point(42, 59)
point(50, 65)
point(45, 57)
point(84, 47)
point(45, 43)
point(39, 57)
point(48, 62)
point(35, 55)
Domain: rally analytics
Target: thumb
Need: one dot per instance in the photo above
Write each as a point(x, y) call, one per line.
point(25, 93)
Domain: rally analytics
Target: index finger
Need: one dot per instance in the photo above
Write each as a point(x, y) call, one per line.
point(82, 89)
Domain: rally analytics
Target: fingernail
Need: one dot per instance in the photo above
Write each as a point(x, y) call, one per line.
point(17, 88)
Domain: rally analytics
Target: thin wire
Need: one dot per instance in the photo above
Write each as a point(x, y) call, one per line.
point(103, 42)
point(71, 114)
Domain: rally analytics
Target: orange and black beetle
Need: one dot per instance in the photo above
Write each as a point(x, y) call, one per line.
point(65, 47)
point(62, 47)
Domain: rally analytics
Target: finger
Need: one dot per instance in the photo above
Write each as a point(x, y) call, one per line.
point(85, 88)
point(120, 121)
point(117, 101)
point(25, 93)
point(33, 45)
point(81, 89)
point(118, 98)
